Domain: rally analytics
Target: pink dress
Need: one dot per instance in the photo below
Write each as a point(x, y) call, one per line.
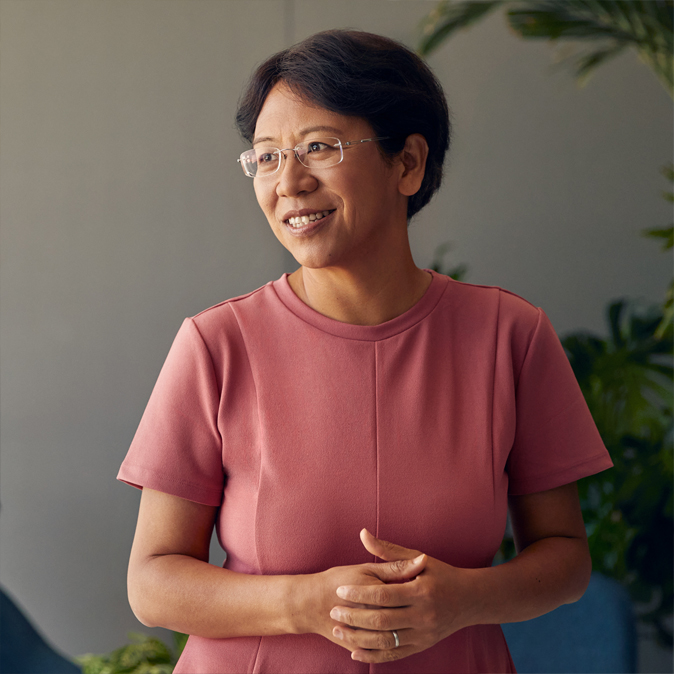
point(304, 430)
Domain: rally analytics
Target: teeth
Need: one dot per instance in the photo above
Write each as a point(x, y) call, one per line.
point(301, 220)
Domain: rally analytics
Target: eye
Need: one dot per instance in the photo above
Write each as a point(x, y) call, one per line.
point(316, 146)
point(266, 157)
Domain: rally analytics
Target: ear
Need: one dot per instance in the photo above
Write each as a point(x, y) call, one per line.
point(413, 164)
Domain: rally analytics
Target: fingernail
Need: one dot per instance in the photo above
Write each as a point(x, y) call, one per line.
point(335, 614)
point(416, 560)
point(338, 633)
point(341, 592)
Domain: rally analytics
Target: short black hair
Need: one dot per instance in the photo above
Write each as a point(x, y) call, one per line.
point(361, 74)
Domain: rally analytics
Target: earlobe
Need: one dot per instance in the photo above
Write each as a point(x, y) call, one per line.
point(413, 160)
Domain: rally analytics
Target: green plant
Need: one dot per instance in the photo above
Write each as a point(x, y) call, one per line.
point(144, 655)
point(627, 382)
point(645, 25)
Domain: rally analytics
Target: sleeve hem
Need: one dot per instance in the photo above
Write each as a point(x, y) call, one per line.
point(139, 477)
point(537, 483)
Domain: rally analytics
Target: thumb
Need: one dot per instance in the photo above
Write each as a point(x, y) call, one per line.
point(401, 569)
point(389, 552)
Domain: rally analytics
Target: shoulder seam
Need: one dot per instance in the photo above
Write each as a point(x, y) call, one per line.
point(238, 298)
point(503, 290)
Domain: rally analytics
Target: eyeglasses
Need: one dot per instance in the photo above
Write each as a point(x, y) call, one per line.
point(316, 153)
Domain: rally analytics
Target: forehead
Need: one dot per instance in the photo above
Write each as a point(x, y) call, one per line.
point(287, 118)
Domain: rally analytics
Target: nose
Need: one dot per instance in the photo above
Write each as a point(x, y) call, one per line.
point(294, 178)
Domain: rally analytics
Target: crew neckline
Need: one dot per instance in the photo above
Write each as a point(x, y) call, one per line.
point(406, 320)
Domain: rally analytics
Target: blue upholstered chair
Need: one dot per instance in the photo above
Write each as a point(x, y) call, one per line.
point(22, 649)
point(596, 634)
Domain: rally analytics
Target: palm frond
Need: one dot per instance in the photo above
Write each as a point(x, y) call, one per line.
point(645, 25)
point(448, 17)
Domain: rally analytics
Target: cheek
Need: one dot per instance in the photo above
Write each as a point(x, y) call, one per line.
point(265, 199)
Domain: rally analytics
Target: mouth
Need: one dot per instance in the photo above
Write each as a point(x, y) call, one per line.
point(300, 221)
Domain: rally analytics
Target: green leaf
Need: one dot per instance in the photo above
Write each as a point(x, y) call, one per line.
point(448, 17)
point(665, 233)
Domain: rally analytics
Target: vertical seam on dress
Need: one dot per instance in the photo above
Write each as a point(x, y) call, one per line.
point(259, 466)
point(376, 432)
point(376, 442)
point(259, 435)
point(493, 401)
point(257, 653)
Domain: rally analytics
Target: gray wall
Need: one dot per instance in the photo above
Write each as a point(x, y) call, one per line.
point(123, 210)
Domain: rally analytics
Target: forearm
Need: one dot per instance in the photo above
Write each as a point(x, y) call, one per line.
point(548, 573)
point(187, 595)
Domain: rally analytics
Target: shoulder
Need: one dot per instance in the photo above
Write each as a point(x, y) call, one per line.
point(224, 319)
point(505, 307)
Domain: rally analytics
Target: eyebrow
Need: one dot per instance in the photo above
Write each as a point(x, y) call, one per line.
point(303, 132)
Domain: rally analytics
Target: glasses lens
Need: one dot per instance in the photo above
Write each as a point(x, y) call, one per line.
point(260, 161)
point(248, 161)
point(320, 152)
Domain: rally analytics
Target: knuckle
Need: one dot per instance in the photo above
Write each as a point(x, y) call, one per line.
point(382, 642)
point(380, 621)
point(391, 655)
point(425, 591)
point(347, 617)
point(381, 595)
point(399, 565)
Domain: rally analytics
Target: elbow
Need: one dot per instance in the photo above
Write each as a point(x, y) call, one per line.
point(139, 601)
point(139, 609)
point(582, 572)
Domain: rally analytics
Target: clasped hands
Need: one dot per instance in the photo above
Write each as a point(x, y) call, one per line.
point(423, 599)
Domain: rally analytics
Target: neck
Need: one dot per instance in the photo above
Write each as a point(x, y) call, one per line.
point(365, 294)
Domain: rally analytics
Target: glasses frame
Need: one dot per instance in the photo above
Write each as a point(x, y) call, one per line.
point(295, 151)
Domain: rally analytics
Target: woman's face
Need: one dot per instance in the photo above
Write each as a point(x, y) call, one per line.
point(361, 193)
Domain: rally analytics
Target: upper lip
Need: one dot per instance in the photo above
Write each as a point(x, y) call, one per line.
point(304, 211)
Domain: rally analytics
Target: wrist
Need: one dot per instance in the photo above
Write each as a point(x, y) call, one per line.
point(297, 593)
point(477, 583)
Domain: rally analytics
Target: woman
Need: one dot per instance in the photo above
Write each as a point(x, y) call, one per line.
point(358, 408)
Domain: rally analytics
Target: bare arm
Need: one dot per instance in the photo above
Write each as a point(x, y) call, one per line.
point(171, 584)
point(553, 564)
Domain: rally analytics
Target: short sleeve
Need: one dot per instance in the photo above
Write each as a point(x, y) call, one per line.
point(177, 448)
point(556, 439)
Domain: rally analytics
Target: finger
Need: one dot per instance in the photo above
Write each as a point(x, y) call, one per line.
point(387, 655)
point(385, 549)
point(376, 595)
point(379, 620)
point(371, 640)
point(399, 570)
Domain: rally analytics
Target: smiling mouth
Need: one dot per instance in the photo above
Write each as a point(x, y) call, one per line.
point(303, 220)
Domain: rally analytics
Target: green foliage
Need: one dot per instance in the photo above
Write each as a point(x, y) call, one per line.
point(627, 382)
point(144, 655)
point(647, 26)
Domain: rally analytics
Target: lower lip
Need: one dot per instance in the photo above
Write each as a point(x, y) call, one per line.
point(308, 229)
